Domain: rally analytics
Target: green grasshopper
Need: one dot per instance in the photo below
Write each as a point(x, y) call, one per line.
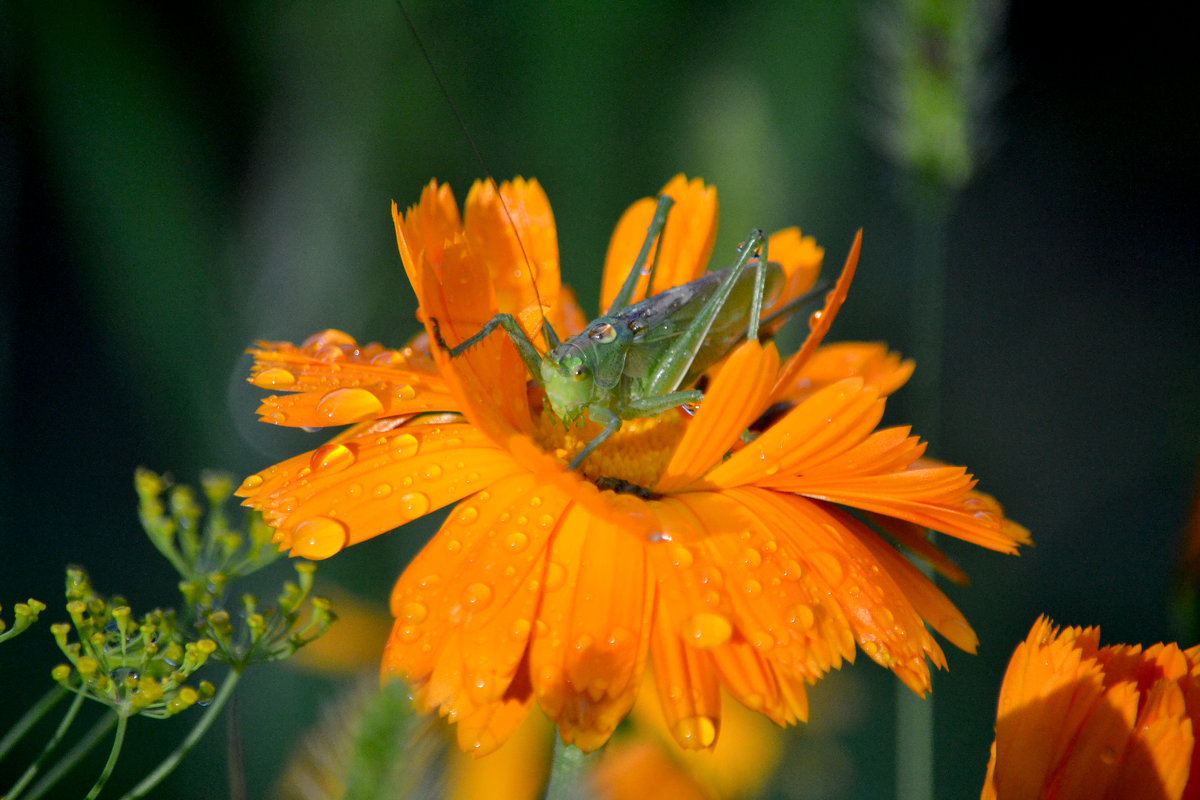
point(631, 362)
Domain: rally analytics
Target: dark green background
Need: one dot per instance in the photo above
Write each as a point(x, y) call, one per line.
point(176, 182)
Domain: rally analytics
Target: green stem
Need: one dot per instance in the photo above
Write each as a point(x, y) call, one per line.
point(113, 754)
point(82, 747)
point(927, 321)
point(36, 766)
point(170, 762)
point(30, 718)
point(567, 773)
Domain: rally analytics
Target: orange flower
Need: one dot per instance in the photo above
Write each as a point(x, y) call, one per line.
point(720, 547)
point(1076, 720)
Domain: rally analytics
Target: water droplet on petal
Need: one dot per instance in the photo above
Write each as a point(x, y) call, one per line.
point(406, 392)
point(535, 501)
point(354, 490)
point(454, 545)
point(883, 616)
point(583, 642)
point(681, 556)
point(751, 557)
point(696, 732)
point(382, 490)
point(274, 378)
point(409, 633)
point(414, 504)
point(432, 472)
point(752, 587)
point(556, 575)
point(332, 458)
point(814, 318)
point(801, 616)
point(705, 630)
point(762, 641)
point(413, 611)
point(520, 629)
point(516, 541)
point(348, 405)
point(478, 595)
point(251, 483)
point(467, 514)
point(319, 537)
point(828, 565)
point(405, 446)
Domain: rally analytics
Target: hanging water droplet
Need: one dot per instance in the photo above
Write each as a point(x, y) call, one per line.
point(705, 630)
point(814, 319)
point(273, 378)
point(405, 446)
point(414, 504)
point(332, 458)
point(696, 732)
point(348, 405)
point(319, 537)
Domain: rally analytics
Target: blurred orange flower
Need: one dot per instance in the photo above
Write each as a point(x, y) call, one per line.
point(721, 546)
point(1076, 720)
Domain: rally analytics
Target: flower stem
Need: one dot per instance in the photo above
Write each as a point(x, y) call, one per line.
point(31, 718)
point(82, 747)
point(567, 773)
point(170, 762)
point(33, 769)
point(113, 754)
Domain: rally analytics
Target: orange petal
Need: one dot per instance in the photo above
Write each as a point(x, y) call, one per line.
point(734, 400)
point(686, 242)
point(423, 230)
point(820, 321)
point(688, 686)
point(830, 363)
point(800, 258)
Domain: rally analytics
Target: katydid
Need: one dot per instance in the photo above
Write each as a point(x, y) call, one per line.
point(632, 361)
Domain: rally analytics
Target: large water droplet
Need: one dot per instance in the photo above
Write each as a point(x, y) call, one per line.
point(751, 557)
point(348, 405)
point(696, 732)
point(413, 611)
point(405, 446)
point(478, 595)
point(332, 458)
point(274, 378)
point(251, 483)
point(414, 504)
point(319, 537)
point(705, 630)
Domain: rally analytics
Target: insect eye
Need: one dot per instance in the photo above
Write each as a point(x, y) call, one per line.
point(579, 372)
point(602, 333)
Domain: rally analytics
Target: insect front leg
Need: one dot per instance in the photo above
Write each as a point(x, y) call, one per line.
point(529, 354)
point(611, 422)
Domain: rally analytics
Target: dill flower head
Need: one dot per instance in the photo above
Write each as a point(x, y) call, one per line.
point(1077, 720)
point(738, 548)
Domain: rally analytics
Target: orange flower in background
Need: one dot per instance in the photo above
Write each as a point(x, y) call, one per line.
point(731, 549)
point(1076, 720)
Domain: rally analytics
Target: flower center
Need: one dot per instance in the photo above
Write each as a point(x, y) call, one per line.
point(633, 458)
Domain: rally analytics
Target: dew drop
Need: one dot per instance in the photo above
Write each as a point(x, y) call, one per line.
point(535, 501)
point(405, 446)
point(409, 633)
point(516, 541)
point(382, 490)
point(556, 575)
point(546, 520)
point(432, 472)
point(406, 392)
point(348, 405)
point(828, 565)
point(414, 612)
point(467, 515)
point(478, 595)
point(583, 643)
point(319, 537)
point(332, 458)
point(762, 641)
point(696, 732)
point(454, 545)
point(814, 318)
point(884, 617)
point(354, 490)
point(681, 556)
point(274, 378)
point(752, 587)
point(751, 558)
point(251, 483)
point(801, 615)
point(705, 630)
point(414, 504)
point(484, 496)
point(520, 629)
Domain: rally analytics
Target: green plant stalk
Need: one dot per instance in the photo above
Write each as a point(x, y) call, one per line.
point(113, 754)
point(82, 747)
point(31, 718)
point(32, 770)
point(567, 772)
point(170, 762)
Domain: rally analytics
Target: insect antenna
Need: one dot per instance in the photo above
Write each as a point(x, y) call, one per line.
point(547, 330)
